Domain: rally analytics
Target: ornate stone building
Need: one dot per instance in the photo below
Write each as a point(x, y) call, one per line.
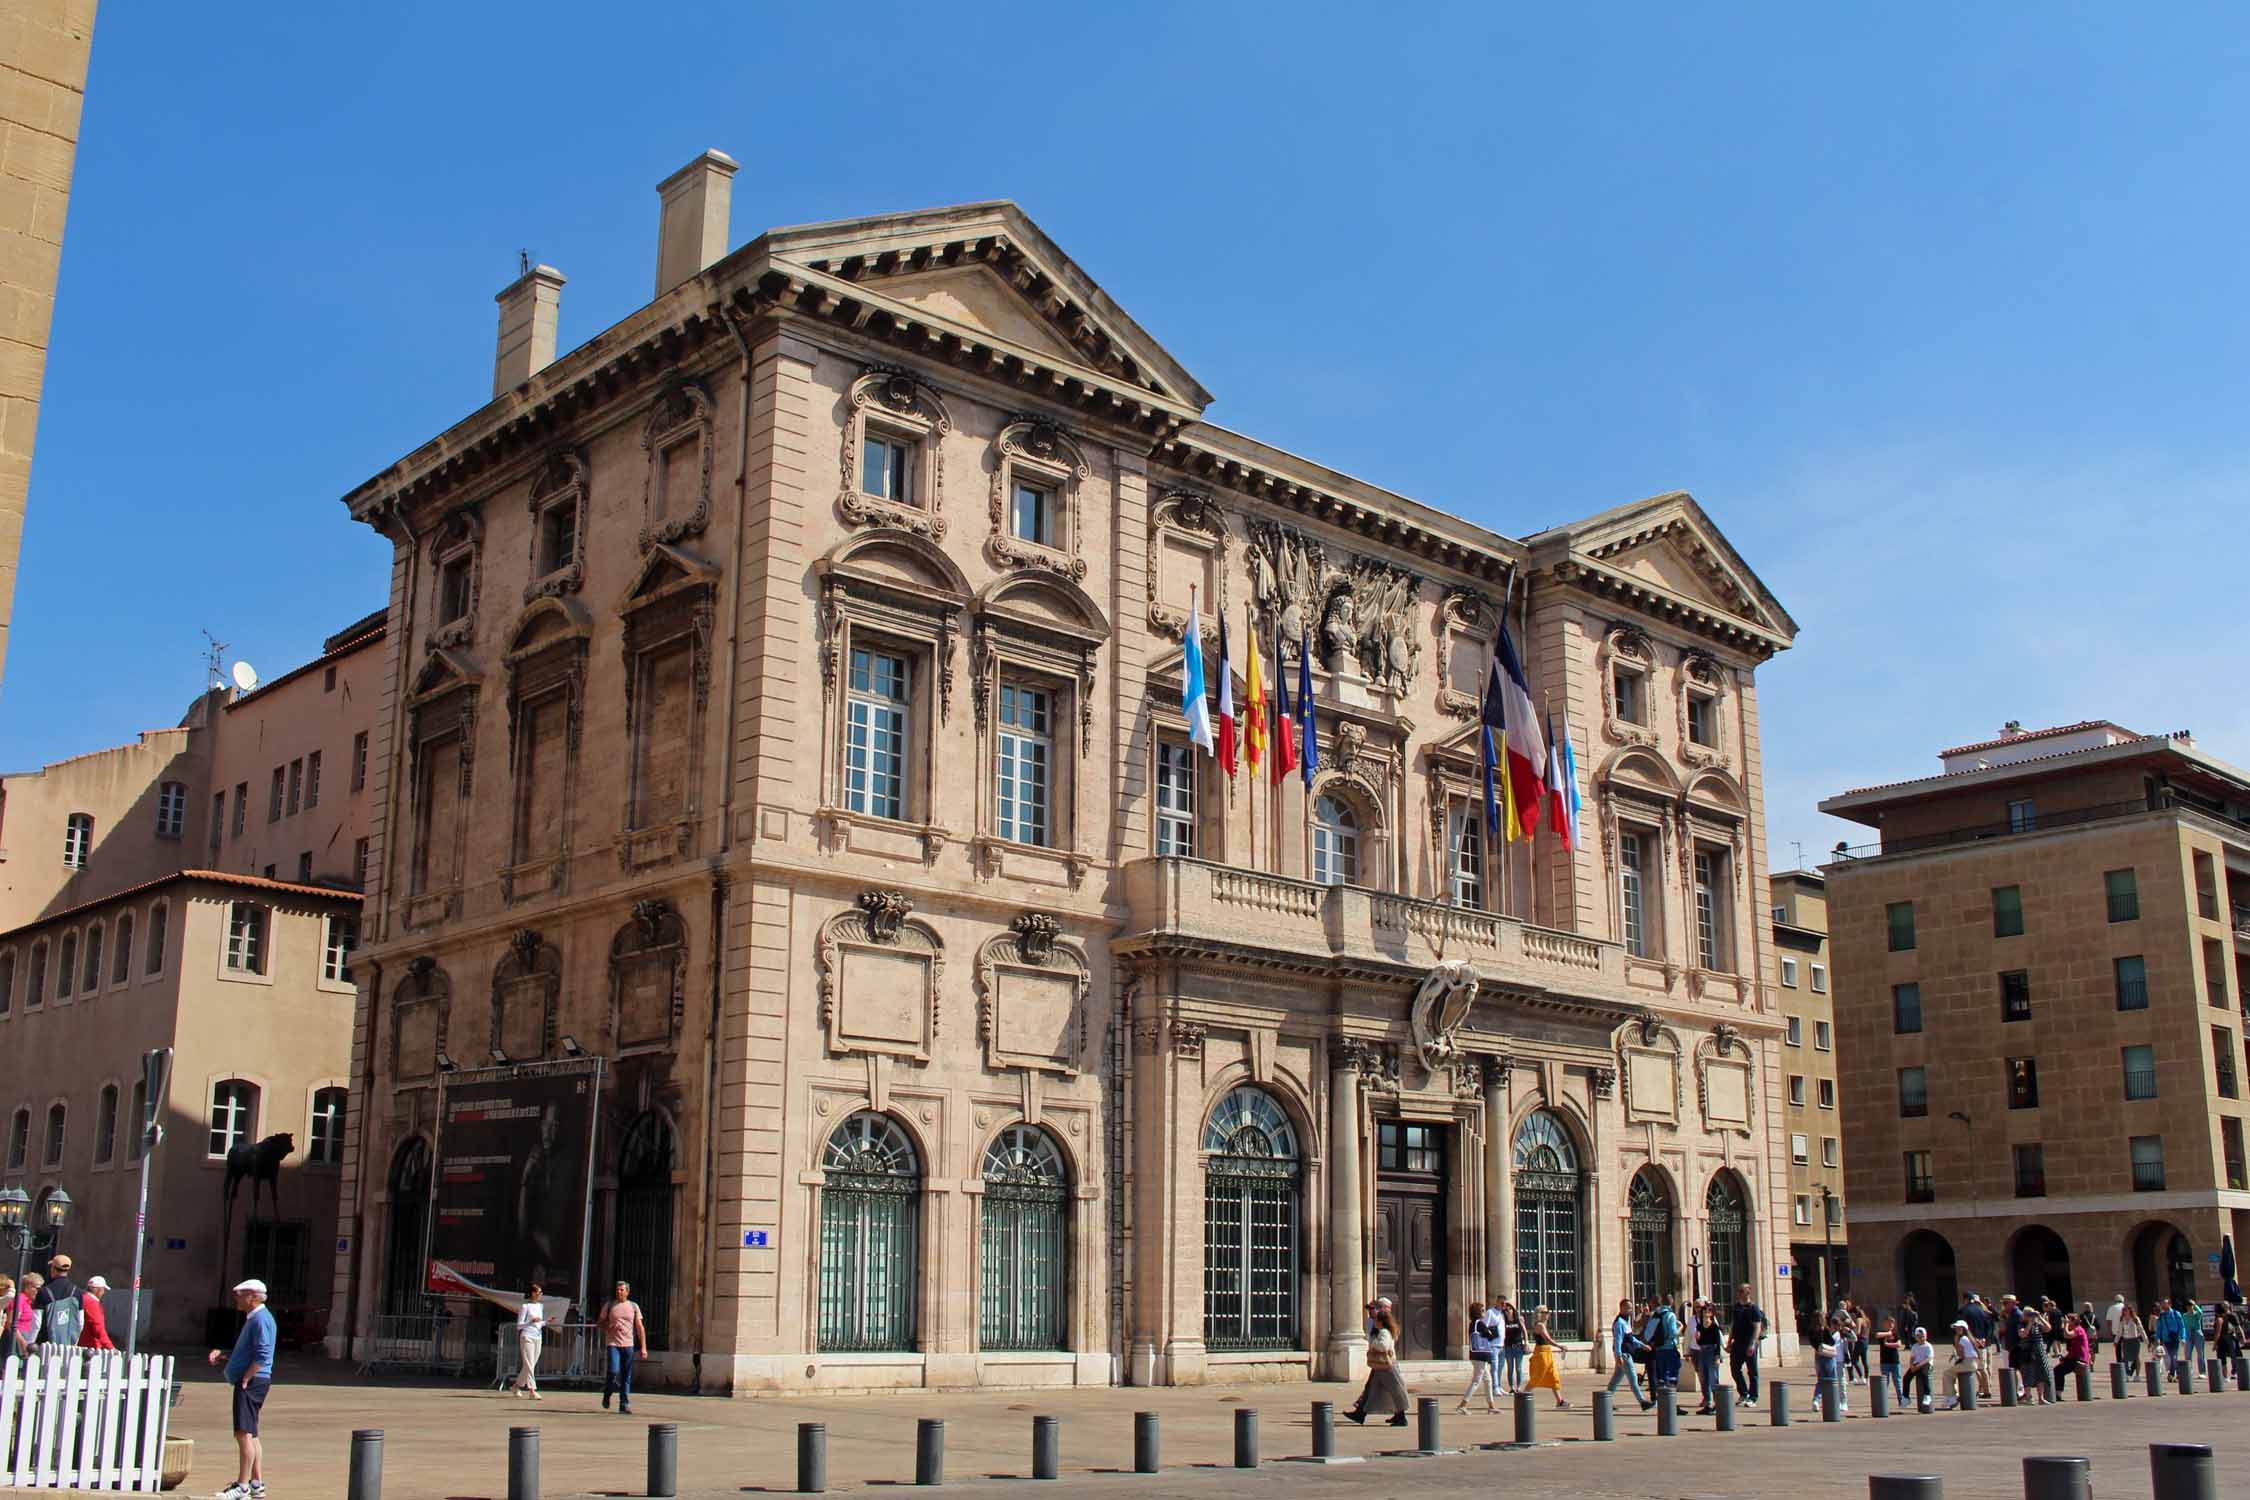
point(784, 704)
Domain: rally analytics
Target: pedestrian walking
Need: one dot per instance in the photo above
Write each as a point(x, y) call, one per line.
point(1831, 1357)
point(1660, 1331)
point(1628, 1349)
point(1513, 1348)
point(2131, 1335)
point(249, 1376)
point(1921, 1360)
point(57, 1305)
point(624, 1334)
point(1708, 1339)
point(93, 1332)
point(2170, 1329)
point(531, 1335)
point(1484, 1356)
point(25, 1329)
point(2198, 1349)
point(1746, 1330)
point(1546, 1357)
point(1888, 1347)
point(1383, 1382)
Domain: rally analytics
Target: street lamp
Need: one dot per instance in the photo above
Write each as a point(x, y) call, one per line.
point(17, 1226)
point(1695, 1271)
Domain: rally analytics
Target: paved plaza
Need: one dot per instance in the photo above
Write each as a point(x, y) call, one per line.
point(448, 1442)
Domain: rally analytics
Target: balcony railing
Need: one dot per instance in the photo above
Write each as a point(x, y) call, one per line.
point(2140, 1083)
point(1921, 1192)
point(2132, 994)
point(2046, 821)
point(2031, 1184)
point(2148, 1176)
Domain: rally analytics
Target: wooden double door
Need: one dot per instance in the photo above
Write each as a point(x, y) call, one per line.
point(1411, 1160)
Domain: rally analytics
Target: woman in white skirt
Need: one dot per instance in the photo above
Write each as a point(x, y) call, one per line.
point(531, 1333)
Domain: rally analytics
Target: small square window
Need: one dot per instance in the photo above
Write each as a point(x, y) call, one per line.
point(1820, 979)
point(2007, 911)
point(1702, 719)
point(1827, 1093)
point(1789, 972)
point(1823, 1037)
point(1901, 917)
point(1796, 1033)
point(1032, 517)
point(1629, 695)
point(2124, 892)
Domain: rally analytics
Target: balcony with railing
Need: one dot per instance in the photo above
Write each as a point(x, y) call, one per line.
point(2140, 1083)
point(2148, 1176)
point(1200, 902)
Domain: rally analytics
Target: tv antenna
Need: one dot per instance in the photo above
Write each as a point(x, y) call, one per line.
point(215, 652)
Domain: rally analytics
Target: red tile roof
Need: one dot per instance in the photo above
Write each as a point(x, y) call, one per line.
point(2038, 734)
point(220, 877)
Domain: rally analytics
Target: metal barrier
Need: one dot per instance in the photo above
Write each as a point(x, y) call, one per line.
point(416, 1343)
point(570, 1354)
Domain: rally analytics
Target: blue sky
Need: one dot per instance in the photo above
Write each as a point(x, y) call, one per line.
point(1939, 311)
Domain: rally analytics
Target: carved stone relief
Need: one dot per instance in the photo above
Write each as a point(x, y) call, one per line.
point(676, 495)
point(887, 399)
point(1441, 1003)
point(1032, 998)
point(1032, 447)
point(879, 968)
point(1194, 522)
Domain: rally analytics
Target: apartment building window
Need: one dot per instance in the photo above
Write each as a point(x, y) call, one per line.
point(1913, 1093)
point(1797, 1090)
point(2023, 1082)
point(327, 1128)
point(1901, 916)
point(340, 937)
point(296, 785)
point(1335, 843)
point(359, 863)
point(171, 809)
point(273, 800)
point(2206, 887)
point(1921, 1187)
point(1906, 1009)
point(328, 680)
point(159, 918)
point(887, 469)
point(2215, 974)
point(121, 966)
point(1823, 1037)
point(2230, 1138)
point(2015, 995)
point(2023, 816)
point(1707, 907)
point(312, 781)
point(359, 761)
point(1820, 979)
point(90, 979)
point(1803, 1207)
point(2007, 911)
point(218, 818)
point(1026, 760)
point(246, 938)
point(1465, 843)
point(1828, 1154)
point(1631, 896)
point(1795, 1034)
point(66, 966)
point(35, 992)
point(1835, 1206)
point(2031, 1170)
point(1789, 972)
point(2124, 895)
point(241, 806)
point(78, 841)
point(7, 981)
point(1629, 694)
point(1032, 518)
point(1827, 1093)
point(2132, 982)
point(234, 1116)
point(2148, 1163)
point(1800, 1148)
point(875, 735)
point(1702, 719)
point(136, 1126)
point(2222, 1053)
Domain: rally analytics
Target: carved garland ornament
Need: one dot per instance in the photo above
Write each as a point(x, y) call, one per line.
point(1031, 943)
point(886, 399)
point(1441, 1003)
point(1191, 513)
point(1723, 1040)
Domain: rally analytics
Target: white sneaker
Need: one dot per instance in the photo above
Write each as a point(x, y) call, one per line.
point(257, 1489)
point(235, 1491)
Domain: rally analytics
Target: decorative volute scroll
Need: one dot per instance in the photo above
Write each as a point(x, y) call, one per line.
point(560, 485)
point(679, 441)
point(526, 992)
point(648, 977)
point(1034, 448)
point(879, 967)
point(1723, 1082)
point(1186, 521)
point(1623, 643)
point(1467, 623)
point(1441, 1003)
point(887, 401)
point(1032, 999)
point(1648, 1060)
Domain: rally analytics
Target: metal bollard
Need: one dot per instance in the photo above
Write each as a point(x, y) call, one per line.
point(1323, 1429)
point(2155, 1378)
point(523, 1463)
point(2083, 1381)
point(663, 1458)
point(1905, 1487)
point(1426, 1425)
point(1777, 1395)
point(2183, 1471)
point(2118, 1385)
point(1146, 1451)
point(1667, 1412)
point(2187, 1378)
point(2058, 1479)
point(929, 1450)
point(2242, 1372)
point(1046, 1448)
point(812, 1458)
point(1246, 1436)
point(2007, 1386)
point(1527, 1419)
point(1723, 1408)
point(1831, 1400)
point(367, 1464)
point(1605, 1418)
point(1965, 1391)
point(1879, 1395)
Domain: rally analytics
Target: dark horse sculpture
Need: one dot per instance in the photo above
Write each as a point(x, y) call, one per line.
point(261, 1163)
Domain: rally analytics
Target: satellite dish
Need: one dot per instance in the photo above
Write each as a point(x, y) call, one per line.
point(244, 675)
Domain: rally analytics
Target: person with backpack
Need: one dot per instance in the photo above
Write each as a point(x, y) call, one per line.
point(61, 1317)
point(1660, 1331)
point(1484, 1356)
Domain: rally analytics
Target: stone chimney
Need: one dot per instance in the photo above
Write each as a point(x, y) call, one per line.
point(691, 232)
point(528, 306)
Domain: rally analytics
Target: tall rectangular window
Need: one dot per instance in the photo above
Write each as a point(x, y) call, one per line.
point(1906, 1008)
point(1702, 719)
point(1630, 893)
point(1708, 905)
point(304, 868)
point(1913, 1092)
point(359, 863)
point(2132, 982)
point(2007, 911)
point(2124, 892)
point(2215, 974)
point(2206, 887)
point(121, 965)
point(1803, 1208)
point(1464, 842)
point(336, 948)
point(1820, 979)
point(2015, 995)
point(171, 809)
point(327, 1129)
point(1823, 1037)
point(105, 1126)
point(273, 799)
point(296, 785)
point(1025, 760)
point(2023, 816)
point(136, 1125)
point(241, 806)
point(1032, 517)
point(1795, 1035)
point(1797, 1090)
point(875, 710)
point(2222, 1056)
point(2230, 1141)
point(2023, 1082)
point(159, 918)
point(1789, 973)
point(2031, 1170)
point(312, 781)
point(1800, 1148)
point(1628, 692)
point(218, 818)
point(1826, 1092)
point(2148, 1163)
point(359, 760)
point(78, 841)
point(1901, 917)
point(246, 938)
point(234, 1115)
point(887, 469)
point(1175, 798)
point(1921, 1187)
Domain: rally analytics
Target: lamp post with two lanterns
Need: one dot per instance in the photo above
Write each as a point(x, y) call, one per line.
point(18, 1226)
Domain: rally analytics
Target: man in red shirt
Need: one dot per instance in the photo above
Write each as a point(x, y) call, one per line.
point(94, 1333)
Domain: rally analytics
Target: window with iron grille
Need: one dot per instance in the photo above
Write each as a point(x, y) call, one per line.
point(2023, 1082)
point(2222, 1052)
point(1549, 1189)
point(2140, 1072)
point(2124, 892)
point(1906, 1008)
point(870, 1194)
point(2230, 1136)
point(2148, 1163)
point(2015, 995)
point(1023, 1243)
point(1648, 1211)
point(1921, 1187)
point(2031, 1170)
point(1251, 1216)
point(2132, 982)
point(1726, 1219)
point(1913, 1093)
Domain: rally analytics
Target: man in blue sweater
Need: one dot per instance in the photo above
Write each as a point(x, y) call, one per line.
point(250, 1375)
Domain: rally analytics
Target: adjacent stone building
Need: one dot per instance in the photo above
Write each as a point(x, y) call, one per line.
point(783, 702)
point(1819, 1246)
point(2039, 1015)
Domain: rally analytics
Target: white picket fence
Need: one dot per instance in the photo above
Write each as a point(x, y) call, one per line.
point(86, 1418)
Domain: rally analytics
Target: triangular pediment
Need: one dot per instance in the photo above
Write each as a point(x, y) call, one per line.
point(1669, 546)
point(664, 570)
point(978, 298)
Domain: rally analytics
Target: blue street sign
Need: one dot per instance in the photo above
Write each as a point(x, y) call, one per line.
point(754, 1239)
point(1782, 1271)
point(175, 1244)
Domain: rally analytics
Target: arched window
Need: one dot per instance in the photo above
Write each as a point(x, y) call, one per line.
point(1251, 1212)
point(7, 981)
point(57, 1116)
point(35, 992)
point(19, 1139)
point(158, 920)
point(105, 1126)
point(405, 1276)
point(1335, 843)
point(121, 967)
point(1648, 1209)
point(869, 1205)
point(90, 980)
point(66, 965)
point(1726, 1218)
point(1548, 1186)
point(234, 1115)
point(1023, 1242)
point(327, 1148)
point(644, 1219)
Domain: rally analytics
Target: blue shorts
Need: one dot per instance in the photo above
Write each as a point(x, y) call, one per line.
point(249, 1401)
